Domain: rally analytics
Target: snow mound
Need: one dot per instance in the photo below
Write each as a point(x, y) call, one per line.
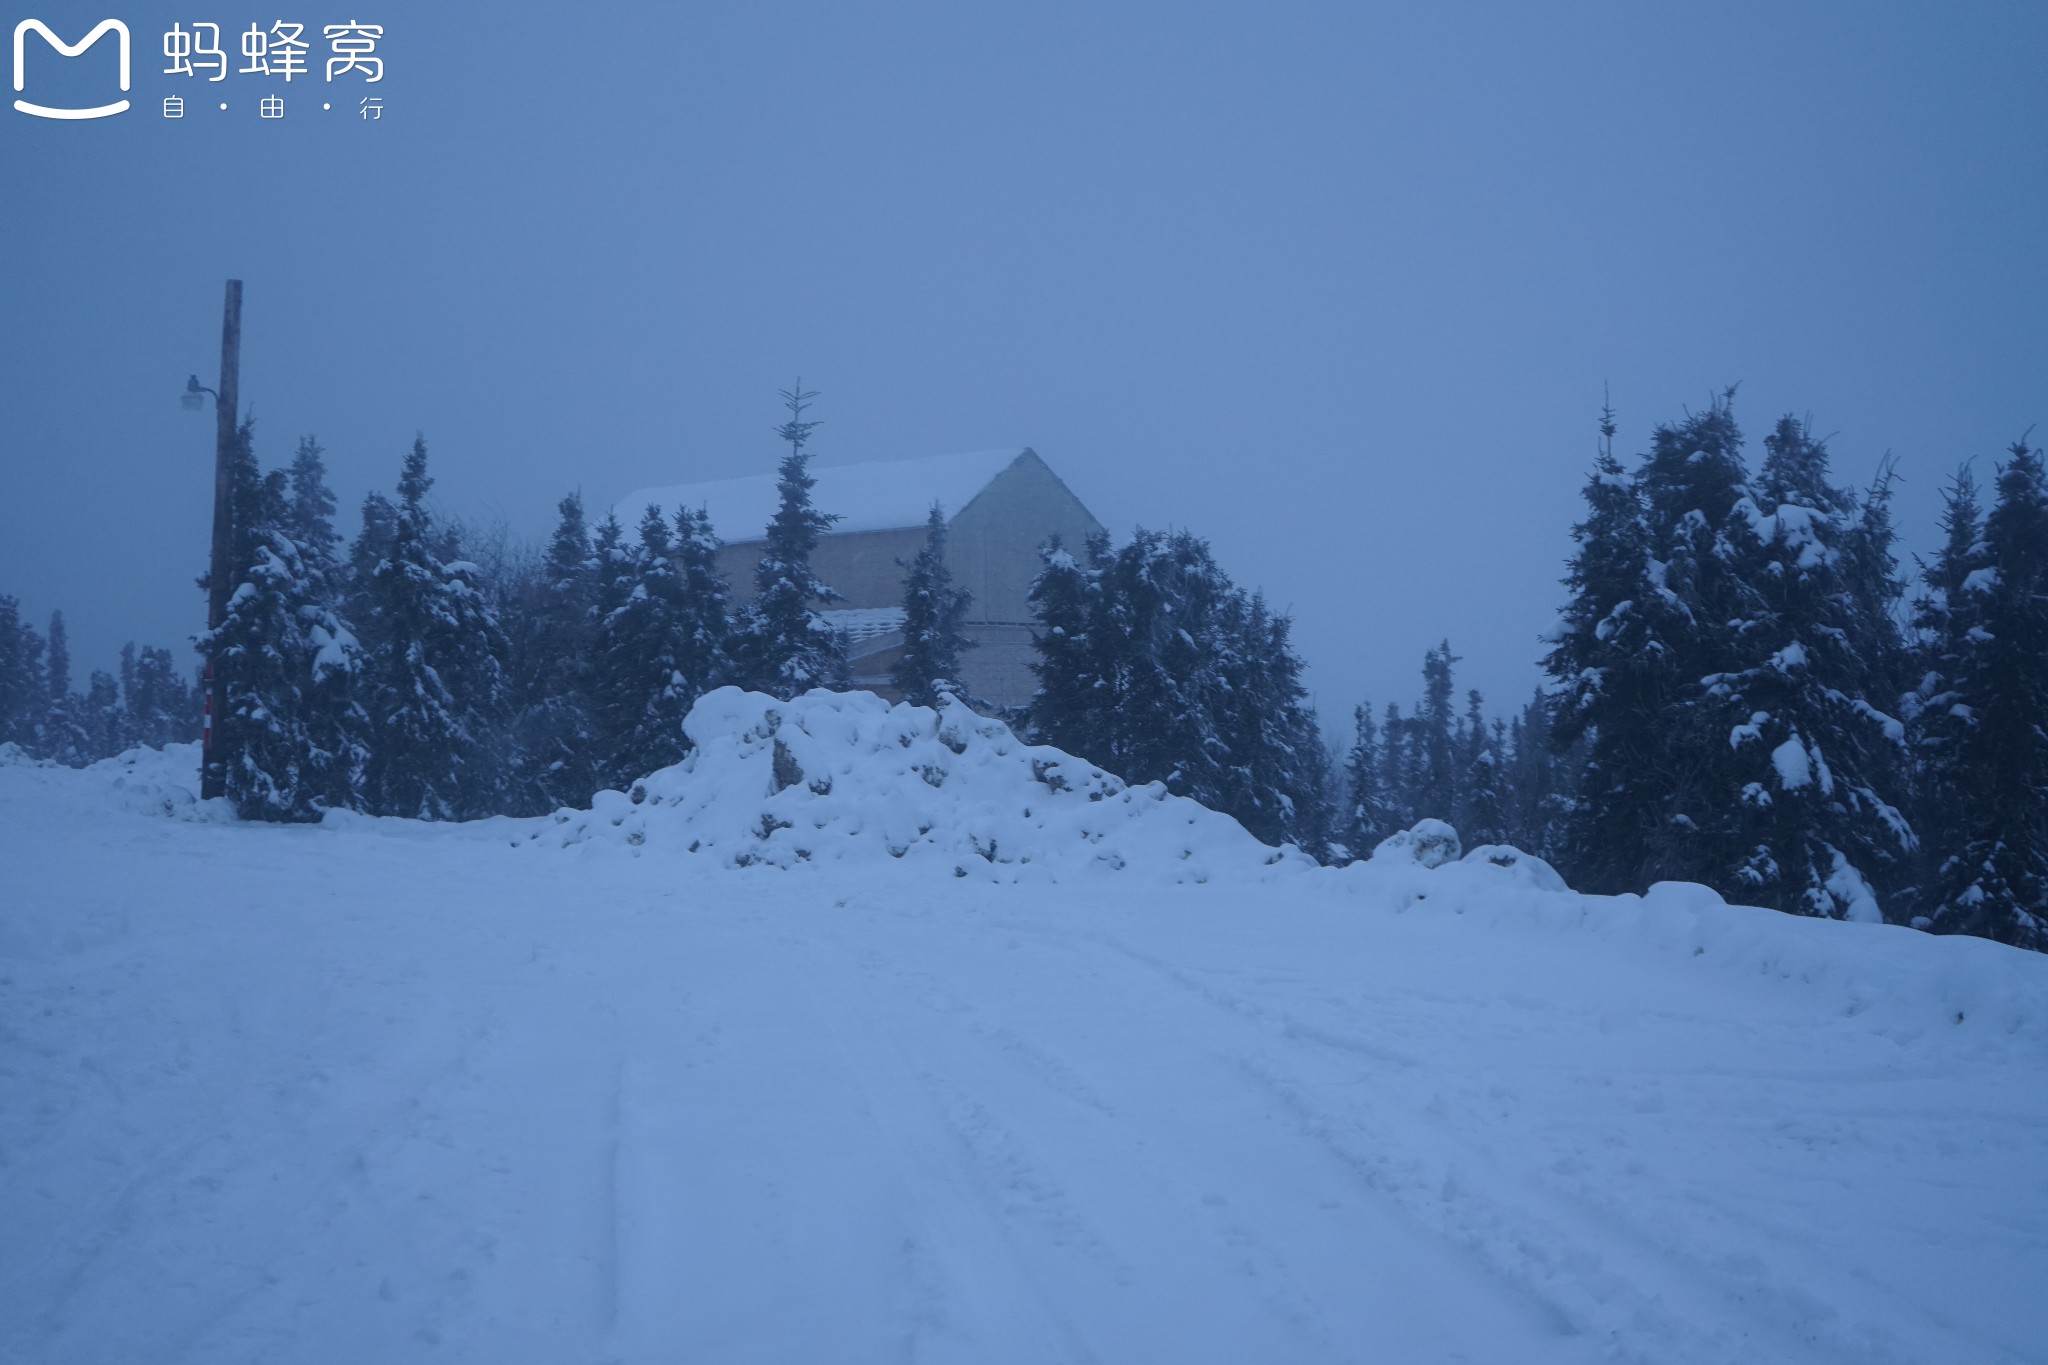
point(836, 777)
point(160, 782)
point(1525, 868)
point(140, 781)
point(1431, 843)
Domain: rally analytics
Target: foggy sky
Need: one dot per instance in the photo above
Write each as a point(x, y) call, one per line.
point(1337, 286)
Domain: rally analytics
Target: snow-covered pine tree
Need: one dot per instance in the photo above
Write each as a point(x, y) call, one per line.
point(614, 570)
point(125, 726)
point(1945, 639)
point(336, 726)
point(641, 692)
point(1614, 679)
point(1397, 762)
point(706, 611)
point(1538, 804)
point(434, 683)
point(1070, 708)
point(371, 547)
point(1870, 570)
point(1162, 647)
point(257, 651)
point(1704, 603)
point(24, 682)
point(1482, 812)
point(549, 641)
point(1369, 815)
point(309, 510)
point(785, 646)
point(278, 652)
point(1278, 776)
point(1436, 774)
point(65, 738)
point(1817, 754)
point(161, 706)
point(1993, 880)
point(102, 715)
point(928, 671)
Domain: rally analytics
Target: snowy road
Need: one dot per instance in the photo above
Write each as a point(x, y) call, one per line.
point(307, 1095)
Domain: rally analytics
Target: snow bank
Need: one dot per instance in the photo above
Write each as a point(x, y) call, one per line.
point(141, 781)
point(851, 781)
point(838, 777)
point(160, 782)
point(1903, 983)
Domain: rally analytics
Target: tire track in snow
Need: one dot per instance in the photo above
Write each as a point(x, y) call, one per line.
point(955, 1186)
point(1177, 1184)
point(1667, 1305)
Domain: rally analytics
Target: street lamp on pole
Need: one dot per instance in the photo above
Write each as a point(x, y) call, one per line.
point(212, 765)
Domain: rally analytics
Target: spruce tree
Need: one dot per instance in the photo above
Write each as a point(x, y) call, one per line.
point(1369, 814)
point(1436, 777)
point(786, 645)
point(1816, 751)
point(337, 728)
point(309, 509)
point(1702, 602)
point(1538, 804)
point(24, 682)
point(1946, 634)
point(1994, 768)
point(929, 670)
point(434, 685)
point(65, 738)
point(1067, 710)
point(1482, 816)
point(288, 736)
point(1397, 760)
point(705, 634)
point(1612, 681)
point(161, 706)
point(371, 547)
point(1279, 783)
point(550, 671)
point(125, 726)
point(102, 715)
point(642, 692)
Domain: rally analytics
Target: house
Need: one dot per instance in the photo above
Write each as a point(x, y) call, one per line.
point(999, 505)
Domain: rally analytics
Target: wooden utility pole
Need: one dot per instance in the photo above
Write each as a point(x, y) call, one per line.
point(212, 765)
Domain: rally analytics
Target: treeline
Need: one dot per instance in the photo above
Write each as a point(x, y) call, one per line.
point(1747, 693)
point(148, 703)
point(1497, 781)
point(400, 676)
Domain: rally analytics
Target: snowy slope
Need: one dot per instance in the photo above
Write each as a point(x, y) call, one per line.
point(388, 1092)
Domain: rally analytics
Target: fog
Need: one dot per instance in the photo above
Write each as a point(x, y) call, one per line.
point(1339, 286)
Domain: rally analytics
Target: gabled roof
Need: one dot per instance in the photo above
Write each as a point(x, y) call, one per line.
point(882, 495)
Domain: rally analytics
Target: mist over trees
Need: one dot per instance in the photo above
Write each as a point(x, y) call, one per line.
point(1746, 688)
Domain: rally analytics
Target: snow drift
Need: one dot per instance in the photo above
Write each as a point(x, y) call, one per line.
point(834, 777)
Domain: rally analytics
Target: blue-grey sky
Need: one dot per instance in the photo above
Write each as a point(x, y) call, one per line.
point(1336, 285)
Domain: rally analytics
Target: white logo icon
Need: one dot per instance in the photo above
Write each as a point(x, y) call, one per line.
point(64, 49)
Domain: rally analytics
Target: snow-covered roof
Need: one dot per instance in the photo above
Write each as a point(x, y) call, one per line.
point(878, 496)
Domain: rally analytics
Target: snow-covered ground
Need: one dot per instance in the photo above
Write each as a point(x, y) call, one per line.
point(565, 1091)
